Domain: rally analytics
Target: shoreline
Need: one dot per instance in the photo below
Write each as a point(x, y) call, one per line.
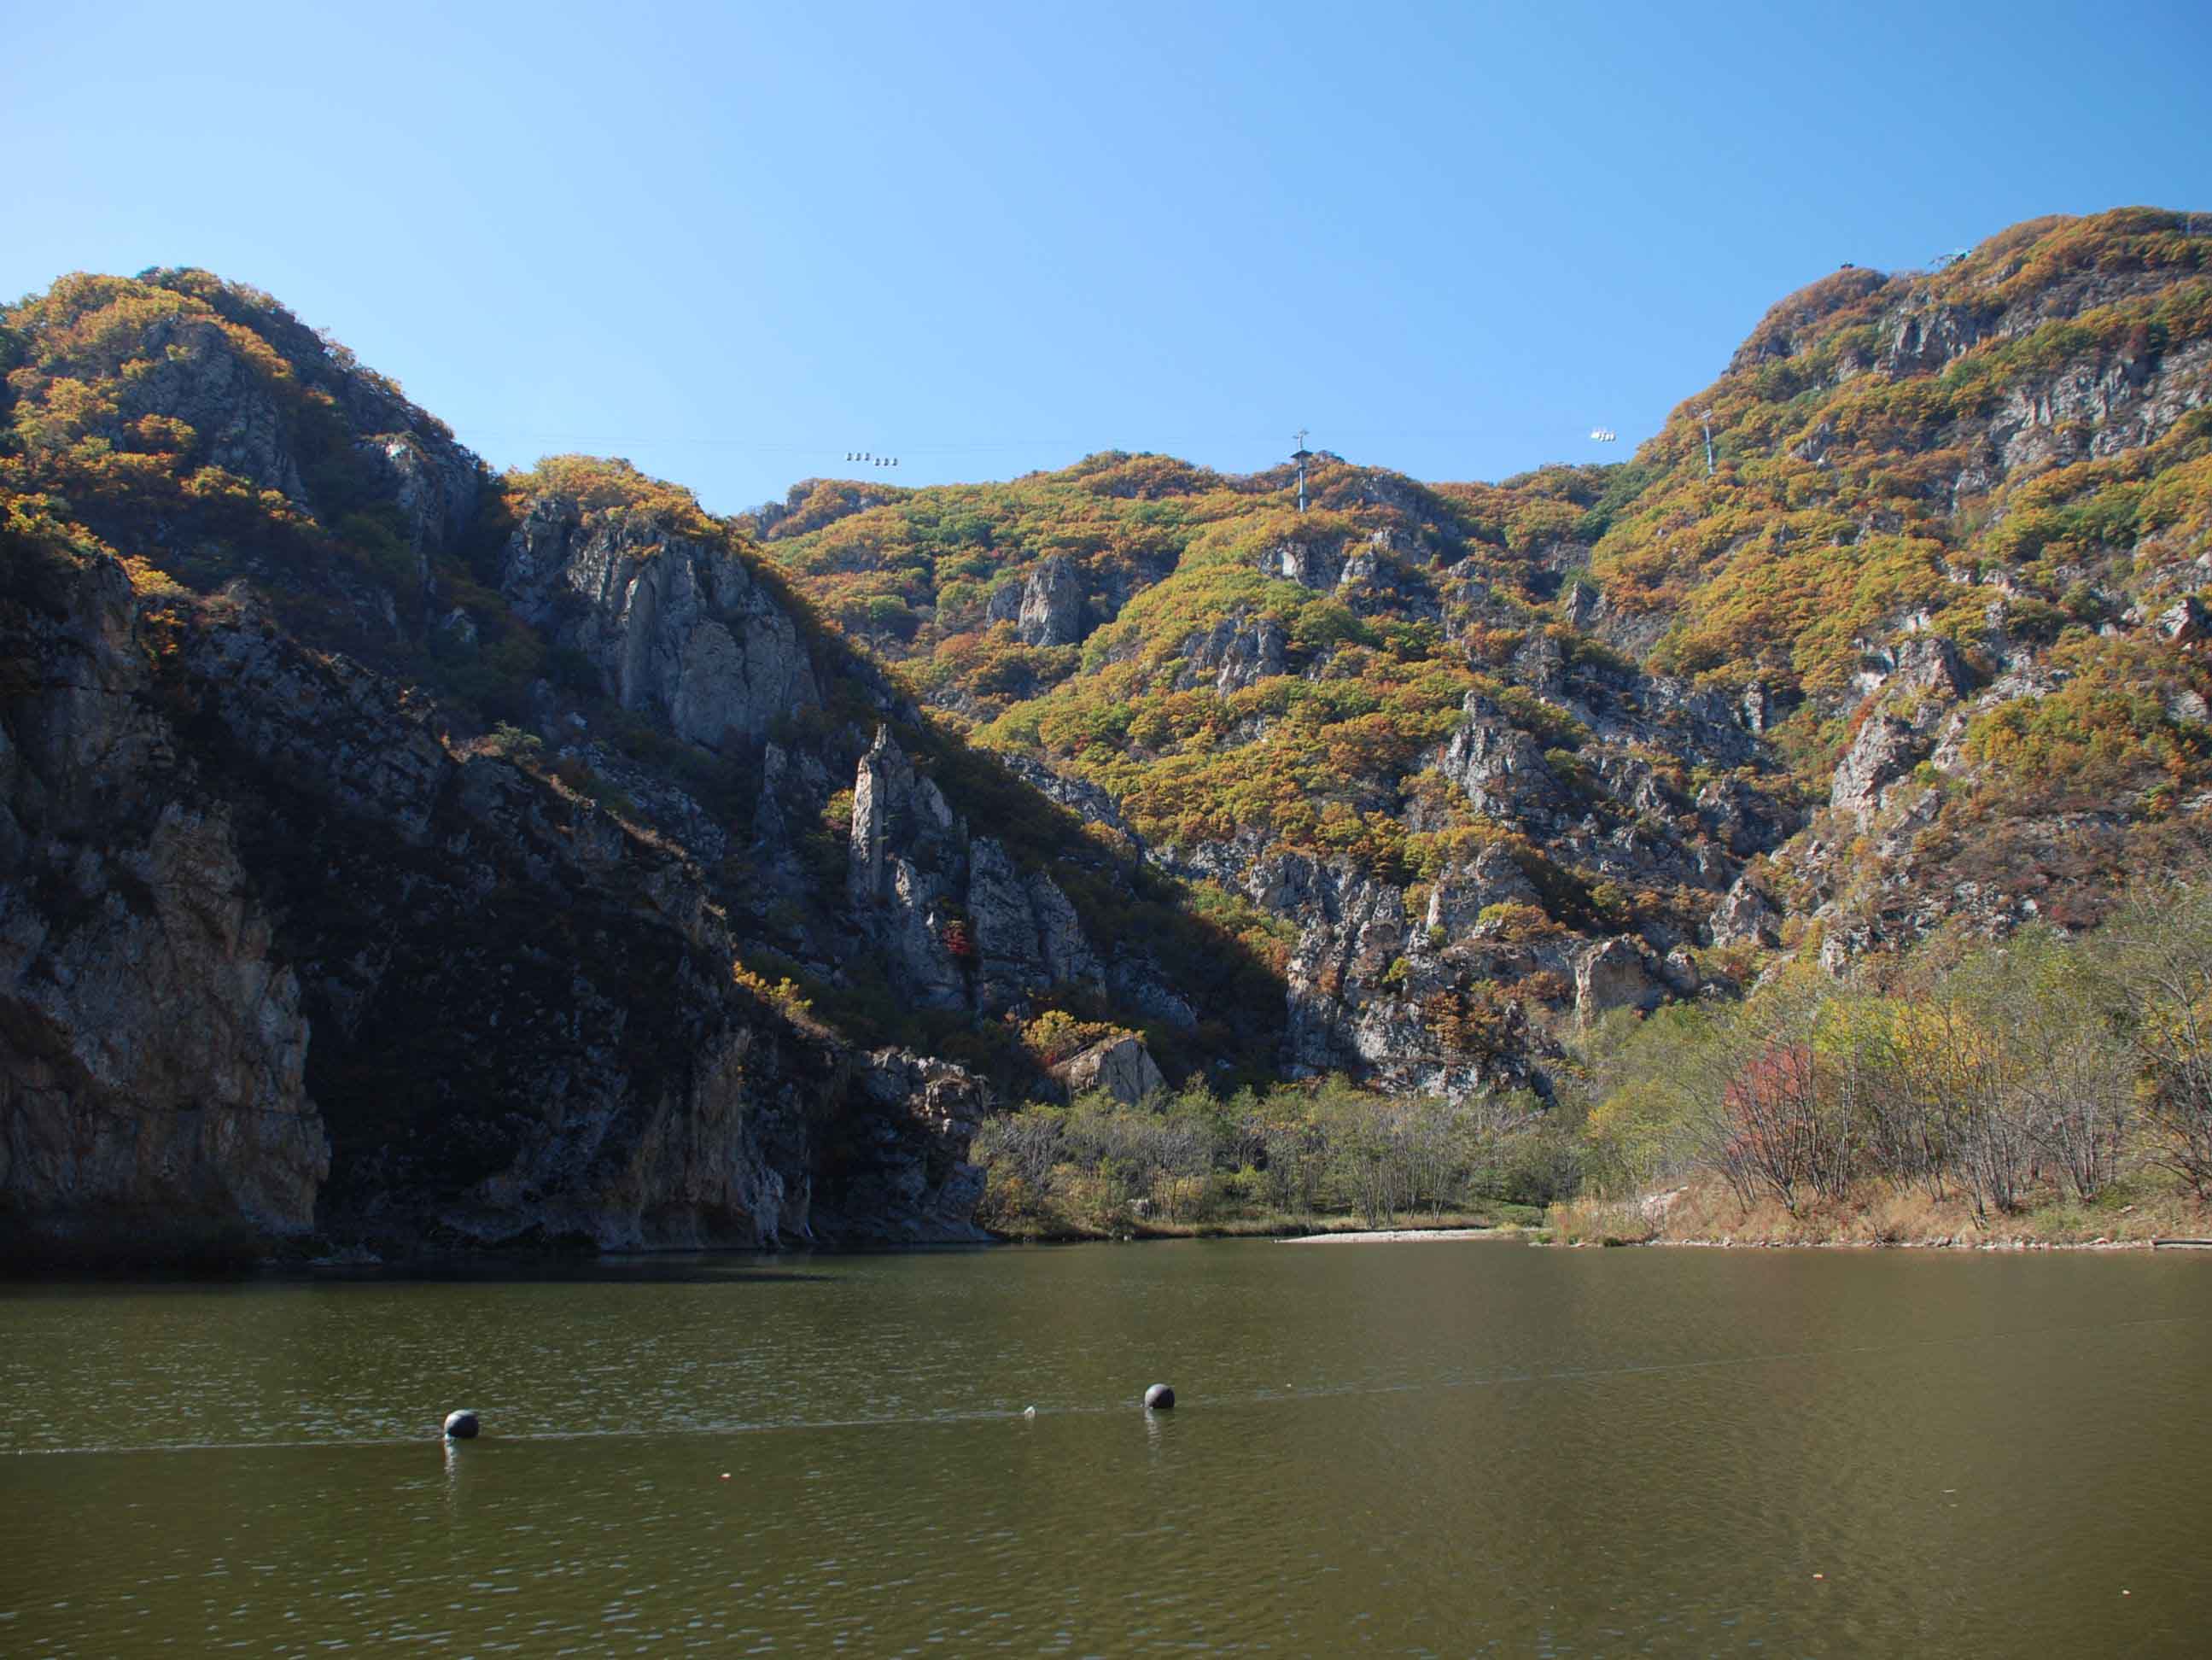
point(2006, 1246)
point(1703, 1214)
point(1394, 1235)
point(1280, 1227)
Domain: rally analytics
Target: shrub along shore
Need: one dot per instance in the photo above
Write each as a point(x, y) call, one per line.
point(1705, 1212)
point(2049, 1089)
point(1313, 1158)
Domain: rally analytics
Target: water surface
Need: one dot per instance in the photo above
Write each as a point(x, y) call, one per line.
point(1427, 1448)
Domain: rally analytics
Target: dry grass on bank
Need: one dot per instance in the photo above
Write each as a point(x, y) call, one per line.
point(1705, 1212)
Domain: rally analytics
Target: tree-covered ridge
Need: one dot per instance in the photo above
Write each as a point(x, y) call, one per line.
point(1874, 436)
point(97, 365)
point(1346, 630)
point(197, 429)
point(1996, 452)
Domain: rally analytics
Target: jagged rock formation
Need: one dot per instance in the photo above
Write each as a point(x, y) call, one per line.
point(1052, 605)
point(904, 1173)
point(904, 836)
point(1237, 652)
point(155, 1045)
point(1925, 687)
point(960, 924)
point(1745, 916)
point(1048, 607)
point(672, 624)
point(1614, 975)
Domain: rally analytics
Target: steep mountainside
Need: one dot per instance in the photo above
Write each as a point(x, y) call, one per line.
point(394, 852)
point(1920, 646)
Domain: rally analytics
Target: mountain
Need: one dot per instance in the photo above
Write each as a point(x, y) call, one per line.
point(398, 854)
point(1918, 649)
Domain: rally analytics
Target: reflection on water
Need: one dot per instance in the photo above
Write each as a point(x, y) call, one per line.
point(1418, 1448)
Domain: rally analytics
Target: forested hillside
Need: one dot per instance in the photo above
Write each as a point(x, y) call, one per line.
point(1919, 650)
point(397, 850)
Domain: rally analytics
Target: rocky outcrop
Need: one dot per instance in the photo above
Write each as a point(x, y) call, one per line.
point(1354, 928)
point(1370, 994)
point(670, 623)
point(1121, 1067)
point(1312, 564)
point(1500, 767)
point(434, 487)
point(1087, 800)
point(902, 863)
point(1742, 820)
point(1745, 916)
point(960, 923)
point(905, 1173)
point(152, 1044)
point(1614, 974)
point(1027, 935)
point(1459, 897)
point(196, 372)
point(1902, 729)
point(1234, 652)
point(1050, 606)
point(1052, 611)
point(2186, 619)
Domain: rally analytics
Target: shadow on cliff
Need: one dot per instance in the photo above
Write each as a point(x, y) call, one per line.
point(1126, 906)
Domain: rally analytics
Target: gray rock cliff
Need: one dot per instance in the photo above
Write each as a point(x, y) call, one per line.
point(670, 623)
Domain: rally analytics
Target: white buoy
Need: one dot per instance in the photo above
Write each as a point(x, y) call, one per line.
point(461, 1425)
point(1160, 1396)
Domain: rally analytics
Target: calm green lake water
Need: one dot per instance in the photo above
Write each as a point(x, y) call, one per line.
point(1449, 1449)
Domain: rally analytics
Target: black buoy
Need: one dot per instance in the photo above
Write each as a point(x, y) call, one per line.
point(1159, 1396)
point(461, 1425)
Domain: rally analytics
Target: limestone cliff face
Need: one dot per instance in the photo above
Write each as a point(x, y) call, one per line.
point(1052, 611)
point(672, 624)
point(1048, 607)
point(2087, 402)
point(1237, 652)
point(1926, 687)
point(527, 1026)
point(279, 959)
point(152, 1044)
point(903, 1172)
point(961, 925)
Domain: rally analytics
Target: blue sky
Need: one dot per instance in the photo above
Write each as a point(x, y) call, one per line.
point(733, 243)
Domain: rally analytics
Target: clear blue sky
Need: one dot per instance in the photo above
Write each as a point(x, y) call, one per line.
point(732, 243)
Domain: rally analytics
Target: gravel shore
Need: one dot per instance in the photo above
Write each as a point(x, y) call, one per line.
point(1391, 1236)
